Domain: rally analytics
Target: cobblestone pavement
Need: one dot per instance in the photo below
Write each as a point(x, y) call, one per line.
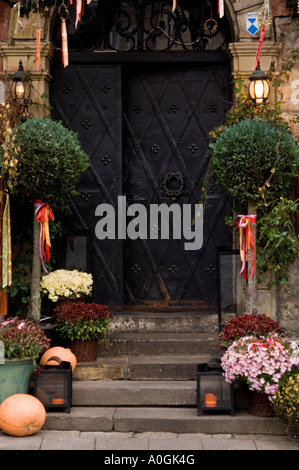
point(147, 441)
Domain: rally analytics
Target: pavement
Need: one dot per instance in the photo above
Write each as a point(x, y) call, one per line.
point(148, 447)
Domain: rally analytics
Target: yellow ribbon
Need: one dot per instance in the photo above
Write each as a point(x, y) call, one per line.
point(6, 245)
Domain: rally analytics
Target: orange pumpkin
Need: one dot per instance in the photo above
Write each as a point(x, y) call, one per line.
point(64, 354)
point(21, 415)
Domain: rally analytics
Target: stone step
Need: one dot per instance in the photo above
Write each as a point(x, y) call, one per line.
point(157, 343)
point(143, 393)
point(134, 393)
point(160, 419)
point(175, 321)
point(174, 367)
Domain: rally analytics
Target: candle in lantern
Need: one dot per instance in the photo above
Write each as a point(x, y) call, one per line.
point(210, 400)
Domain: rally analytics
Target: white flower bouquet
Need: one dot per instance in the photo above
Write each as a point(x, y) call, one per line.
point(66, 283)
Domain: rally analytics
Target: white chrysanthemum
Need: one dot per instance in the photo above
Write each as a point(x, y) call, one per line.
point(66, 283)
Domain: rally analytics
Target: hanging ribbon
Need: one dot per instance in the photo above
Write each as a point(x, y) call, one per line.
point(64, 46)
point(43, 215)
point(246, 241)
point(264, 18)
point(221, 8)
point(6, 244)
point(260, 346)
point(78, 12)
point(259, 47)
point(37, 54)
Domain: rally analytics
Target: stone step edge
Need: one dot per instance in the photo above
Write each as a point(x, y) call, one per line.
point(117, 367)
point(160, 419)
point(144, 393)
point(155, 322)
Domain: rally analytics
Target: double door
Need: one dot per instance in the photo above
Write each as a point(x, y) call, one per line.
point(145, 128)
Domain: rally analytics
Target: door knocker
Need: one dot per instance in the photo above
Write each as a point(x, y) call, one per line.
point(173, 184)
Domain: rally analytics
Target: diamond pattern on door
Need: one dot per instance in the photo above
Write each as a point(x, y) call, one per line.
point(87, 99)
point(145, 129)
point(168, 112)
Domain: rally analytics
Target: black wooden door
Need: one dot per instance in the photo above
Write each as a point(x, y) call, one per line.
point(138, 125)
point(87, 99)
point(167, 114)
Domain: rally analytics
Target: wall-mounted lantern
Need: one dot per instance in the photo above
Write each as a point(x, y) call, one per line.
point(20, 87)
point(259, 87)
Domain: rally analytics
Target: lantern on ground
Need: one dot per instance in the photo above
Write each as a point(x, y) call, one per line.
point(213, 392)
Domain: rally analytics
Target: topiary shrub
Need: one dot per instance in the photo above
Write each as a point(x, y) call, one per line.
point(255, 159)
point(50, 161)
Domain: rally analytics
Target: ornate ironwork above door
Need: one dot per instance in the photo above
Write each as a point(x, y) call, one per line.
point(139, 25)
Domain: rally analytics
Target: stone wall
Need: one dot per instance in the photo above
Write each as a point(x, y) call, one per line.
point(286, 29)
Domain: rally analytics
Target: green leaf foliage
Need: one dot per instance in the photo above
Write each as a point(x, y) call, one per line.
point(50, 161)
point(255, 159)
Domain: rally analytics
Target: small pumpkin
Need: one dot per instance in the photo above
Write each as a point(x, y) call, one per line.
point(22, 415)
point(64, 354)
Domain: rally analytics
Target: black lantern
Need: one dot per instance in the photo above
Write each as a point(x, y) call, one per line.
point(53, 385)
point(213, 392)
point(20, 88)
point(259, 87)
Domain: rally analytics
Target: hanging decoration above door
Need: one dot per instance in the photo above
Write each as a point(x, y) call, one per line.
point(264, 18)
point(129, 25)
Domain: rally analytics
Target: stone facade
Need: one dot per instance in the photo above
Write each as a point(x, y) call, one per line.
point(18, 42)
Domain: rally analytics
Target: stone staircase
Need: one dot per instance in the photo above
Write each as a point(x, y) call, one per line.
point(144, 379)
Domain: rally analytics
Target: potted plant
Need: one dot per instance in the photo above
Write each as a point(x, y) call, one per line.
point(286, 403)
point(22, 341)
point(255, 161)
point(50, 162)
point(260, 363)
point(247, 325)
point(82, 325)
point(66, 284)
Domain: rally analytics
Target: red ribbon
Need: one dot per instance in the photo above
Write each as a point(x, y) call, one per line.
point(174, 4)
point(246, 241)
point(44, 214)
point(259, 47)
point(64, 44)
point(37, 52)
point(260, 345)
point(79, 7)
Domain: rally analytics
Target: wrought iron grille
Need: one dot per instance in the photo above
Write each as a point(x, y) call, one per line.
point(148, 25)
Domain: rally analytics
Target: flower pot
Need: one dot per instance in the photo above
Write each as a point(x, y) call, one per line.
point(15, 377)
point(71, 299)
point(260, 406)
point(85, 351)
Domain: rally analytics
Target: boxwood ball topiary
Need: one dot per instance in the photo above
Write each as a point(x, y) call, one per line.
point(251, 153)
point(50, 161)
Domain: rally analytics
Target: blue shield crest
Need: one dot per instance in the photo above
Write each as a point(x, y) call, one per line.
point(252, 25)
